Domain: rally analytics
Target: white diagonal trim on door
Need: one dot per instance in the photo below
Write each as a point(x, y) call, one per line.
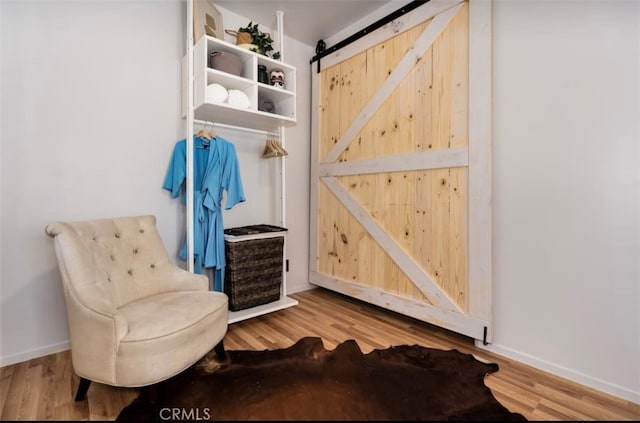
point(406, 263)
point(414, 55)
point(452, 157)
point(393, 28)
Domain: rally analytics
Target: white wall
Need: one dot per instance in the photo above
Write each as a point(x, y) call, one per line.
point(90, 115)
point(566, 187)
point(90, 106)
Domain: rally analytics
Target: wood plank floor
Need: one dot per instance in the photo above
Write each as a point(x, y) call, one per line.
point(43, 388)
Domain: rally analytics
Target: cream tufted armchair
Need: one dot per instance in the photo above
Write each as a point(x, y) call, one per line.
point(135, 318)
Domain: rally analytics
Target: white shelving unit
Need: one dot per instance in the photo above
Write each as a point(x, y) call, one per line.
point(284, 100)
point(197, 75)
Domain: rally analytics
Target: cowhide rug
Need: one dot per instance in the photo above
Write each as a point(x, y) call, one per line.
point(308, 382)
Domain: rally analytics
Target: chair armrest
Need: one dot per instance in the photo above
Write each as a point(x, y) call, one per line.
point(178, 279)
point(95, 335)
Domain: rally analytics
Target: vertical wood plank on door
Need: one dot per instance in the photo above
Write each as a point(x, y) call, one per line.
point(330, 109)
point(459, 45)
point(459, 137)
point(458, 233)
point(438, 179)
point(390, 115)
point(354, 94)
point(352, 97)
point(440, 223)
point(423, 142)
point(330, 118)
point(353, 234)
point(327, 251)
point(384, 117)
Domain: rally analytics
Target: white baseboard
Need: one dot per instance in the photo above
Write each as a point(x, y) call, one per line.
point(293, 288)
point(572, 375)
point(35, 353)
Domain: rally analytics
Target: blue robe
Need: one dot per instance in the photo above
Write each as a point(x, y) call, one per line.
point(215, 170)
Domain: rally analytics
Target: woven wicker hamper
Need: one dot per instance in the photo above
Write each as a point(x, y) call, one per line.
point(253, 274)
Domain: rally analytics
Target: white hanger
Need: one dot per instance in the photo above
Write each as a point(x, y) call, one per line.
point(203, 133)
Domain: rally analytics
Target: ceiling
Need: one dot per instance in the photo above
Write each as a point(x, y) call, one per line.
point(305, 20)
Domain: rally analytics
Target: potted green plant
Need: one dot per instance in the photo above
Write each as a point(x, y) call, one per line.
point(261, 40)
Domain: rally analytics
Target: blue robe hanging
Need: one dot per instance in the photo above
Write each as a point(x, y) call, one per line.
point(215, 170)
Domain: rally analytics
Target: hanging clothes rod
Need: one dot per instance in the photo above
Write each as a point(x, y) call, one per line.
point(226, 126)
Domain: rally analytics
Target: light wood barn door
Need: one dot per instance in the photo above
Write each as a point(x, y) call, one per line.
point(400, 189)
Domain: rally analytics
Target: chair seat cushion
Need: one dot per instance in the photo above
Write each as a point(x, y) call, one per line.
point(168, 332)
point(164, 314)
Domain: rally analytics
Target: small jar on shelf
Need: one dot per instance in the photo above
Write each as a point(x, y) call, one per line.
point(263, 76)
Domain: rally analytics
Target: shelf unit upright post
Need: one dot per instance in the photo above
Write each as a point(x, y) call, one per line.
point(283, 167)
point(189, 137)
point(189, 113)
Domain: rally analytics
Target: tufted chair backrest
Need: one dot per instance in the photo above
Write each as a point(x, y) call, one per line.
point(110, 262)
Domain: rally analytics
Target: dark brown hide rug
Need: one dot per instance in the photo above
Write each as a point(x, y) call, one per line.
point(308, 382)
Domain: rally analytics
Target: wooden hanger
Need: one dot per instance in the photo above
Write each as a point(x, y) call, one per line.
point(203, 134)
point(273, 148)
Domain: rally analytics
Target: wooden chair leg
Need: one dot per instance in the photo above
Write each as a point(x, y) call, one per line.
point(220, 352)
point(83, 387)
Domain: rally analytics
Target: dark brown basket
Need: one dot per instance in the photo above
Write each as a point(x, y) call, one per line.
point(253, 275)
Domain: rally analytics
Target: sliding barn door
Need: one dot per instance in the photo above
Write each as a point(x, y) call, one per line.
point(400, 189)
